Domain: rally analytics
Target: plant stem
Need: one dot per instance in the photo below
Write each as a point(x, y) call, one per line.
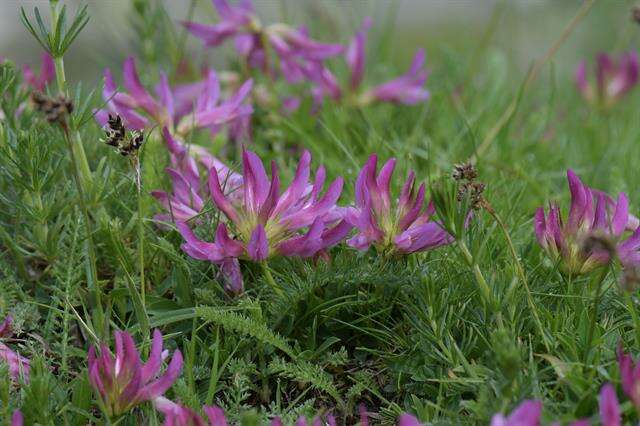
point(521, 273)
point(270, 280)
point(61, 80)
point(91, 252)
point(485, 290)
point(594, 311)
point(140, 229)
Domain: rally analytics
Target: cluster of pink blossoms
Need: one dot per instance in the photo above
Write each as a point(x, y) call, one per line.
point(181, 109)
point(261, 222)
point(300, 58)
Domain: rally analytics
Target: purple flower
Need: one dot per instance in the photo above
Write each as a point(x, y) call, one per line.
point(182, 108)
point(293, 47)
point(17, 419)
point(587, 217)
point(189, 194)
point(407, 89)
point(356, 54)
point(18, 365)
point(124, 381)
point(630, 376)
point(407, 419)
point(178, 415)
point(46, 76)
point(526, 414)
point(235, 21)
point(614, 79)
point(296, 222)
point(609, 407)
point(405, 228)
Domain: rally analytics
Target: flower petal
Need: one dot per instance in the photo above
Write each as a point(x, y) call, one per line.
point(258, 246)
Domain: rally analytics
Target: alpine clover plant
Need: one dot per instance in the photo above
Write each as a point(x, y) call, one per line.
point(344, 336)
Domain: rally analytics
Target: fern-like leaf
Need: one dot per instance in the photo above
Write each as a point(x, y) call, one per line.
point(236, 323)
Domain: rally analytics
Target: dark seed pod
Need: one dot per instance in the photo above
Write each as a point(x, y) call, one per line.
point(116, 136)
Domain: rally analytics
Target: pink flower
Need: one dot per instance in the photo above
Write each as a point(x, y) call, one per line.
point(297, 222)
point(235, 21)
point(630, 376)
point(46, 76)
point(404, 228)
point(293, 47)
point(407, 89)
point(189, 194)
point(18, 365)
point(356, 54)
point(178, 415)
point(407, 419)
point(182, 108)
point(525, 414)
point(609, 407)
point(614, 79)
point(587, 217)
point(123, 382)
point(17, 419)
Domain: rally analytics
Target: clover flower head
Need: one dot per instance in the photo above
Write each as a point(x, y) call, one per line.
point(123, 381)
point(297, 222)
point(401, 229)
point(526, 414)
point(614, 79)
point(181, 108)
point(602, 220)
point(18, 365)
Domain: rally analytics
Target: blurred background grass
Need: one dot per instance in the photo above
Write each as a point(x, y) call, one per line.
point(522, 29)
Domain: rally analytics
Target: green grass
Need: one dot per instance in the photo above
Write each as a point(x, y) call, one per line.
point(409, 334)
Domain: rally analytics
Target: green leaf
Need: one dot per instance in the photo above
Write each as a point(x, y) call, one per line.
point(237, 323)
